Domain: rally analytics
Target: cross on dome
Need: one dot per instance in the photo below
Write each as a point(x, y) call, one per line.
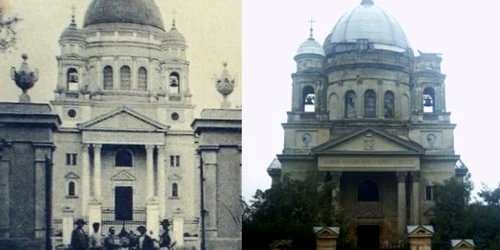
point(73, 10)
point(173, 17)
point(312, 21)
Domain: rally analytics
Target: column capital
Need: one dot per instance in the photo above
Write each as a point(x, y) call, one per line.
point(85, 146)
point(97, 146)
point(401, 176)
point(149, 147)
point(160, 147)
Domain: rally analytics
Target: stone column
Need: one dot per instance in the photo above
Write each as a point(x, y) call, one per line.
point(178, 231)
point(380, 99)
point(149, 172)
point(67, 224)
point(116, 74)
point(360, 97)
point(97, 171)
point(152, 219)
point(161, 179)
point(85, 187)
point(415, 199)
point(336, 190)
point(401, 177)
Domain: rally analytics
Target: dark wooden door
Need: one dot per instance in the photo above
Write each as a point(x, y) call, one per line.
point(123, 203)
point(368, 237)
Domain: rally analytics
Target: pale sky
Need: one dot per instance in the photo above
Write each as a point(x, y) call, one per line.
point(465, 32)
point(212, 29)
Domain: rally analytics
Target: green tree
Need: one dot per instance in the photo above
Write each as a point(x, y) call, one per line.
point(288, 211)
point(451, 218)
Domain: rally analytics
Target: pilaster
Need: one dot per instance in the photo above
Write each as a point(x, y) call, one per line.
point(415, 201)
point(401, 178)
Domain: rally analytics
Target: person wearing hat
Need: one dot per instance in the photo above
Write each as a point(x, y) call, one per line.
point(165, 240)
point(144, 241)
point(79, 239)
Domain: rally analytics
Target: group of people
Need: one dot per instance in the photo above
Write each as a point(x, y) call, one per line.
point(80, 240)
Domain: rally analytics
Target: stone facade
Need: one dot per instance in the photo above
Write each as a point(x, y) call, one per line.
point(219, 146)
point(377, 124)
point(26, 151)
point(126, 149)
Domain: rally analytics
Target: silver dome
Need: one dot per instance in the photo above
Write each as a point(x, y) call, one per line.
point(367, 21)
point(311, 47)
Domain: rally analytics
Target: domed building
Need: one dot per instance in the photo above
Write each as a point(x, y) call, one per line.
point(371, 116)
point(127, 151)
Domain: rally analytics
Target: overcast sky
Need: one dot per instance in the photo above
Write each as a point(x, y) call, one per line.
point(465, 32)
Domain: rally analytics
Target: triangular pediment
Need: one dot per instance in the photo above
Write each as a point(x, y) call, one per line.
point(326, 232)
point(123, 119)
point(462, 244)
point(72, 175)
point(280, 243)
point(369, 141)
point(123, 175)
point(368, 213)
point(420, 231)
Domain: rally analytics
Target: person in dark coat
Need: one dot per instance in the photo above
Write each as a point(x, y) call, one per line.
point(165, 240)
point(79, 239)
point(144, 241)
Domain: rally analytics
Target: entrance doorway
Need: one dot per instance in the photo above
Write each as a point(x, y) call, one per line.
point(368, 237)
point(123, 203)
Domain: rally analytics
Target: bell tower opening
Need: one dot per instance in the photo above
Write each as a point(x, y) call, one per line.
point(308, 99)
point(429, 99)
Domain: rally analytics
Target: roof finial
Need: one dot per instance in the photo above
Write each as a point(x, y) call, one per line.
point(370, 2)
point(73, 10)
point(311, 29)
point(173, 18)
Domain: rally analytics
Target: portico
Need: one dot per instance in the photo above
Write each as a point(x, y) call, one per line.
point(130, 153)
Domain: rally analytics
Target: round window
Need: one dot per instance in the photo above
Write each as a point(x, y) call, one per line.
point(175, 116)
point(72, 113)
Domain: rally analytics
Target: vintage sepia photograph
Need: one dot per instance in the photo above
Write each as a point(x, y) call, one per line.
point(370, 124)
point(120, 124)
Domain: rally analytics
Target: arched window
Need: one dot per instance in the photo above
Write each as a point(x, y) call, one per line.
point(125, 78)
point(389, 104)
point(350, 104)
point(142, 79)
point(429, 99)
point(72, 79)
point(368, 191)
point(175, 190)
point(123, 158)
point(71, 188)
point(370, 103)
point(308, 99)
point(174, 83)
point(108, 78)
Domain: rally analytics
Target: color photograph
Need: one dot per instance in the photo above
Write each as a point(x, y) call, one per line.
point(369, 124)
